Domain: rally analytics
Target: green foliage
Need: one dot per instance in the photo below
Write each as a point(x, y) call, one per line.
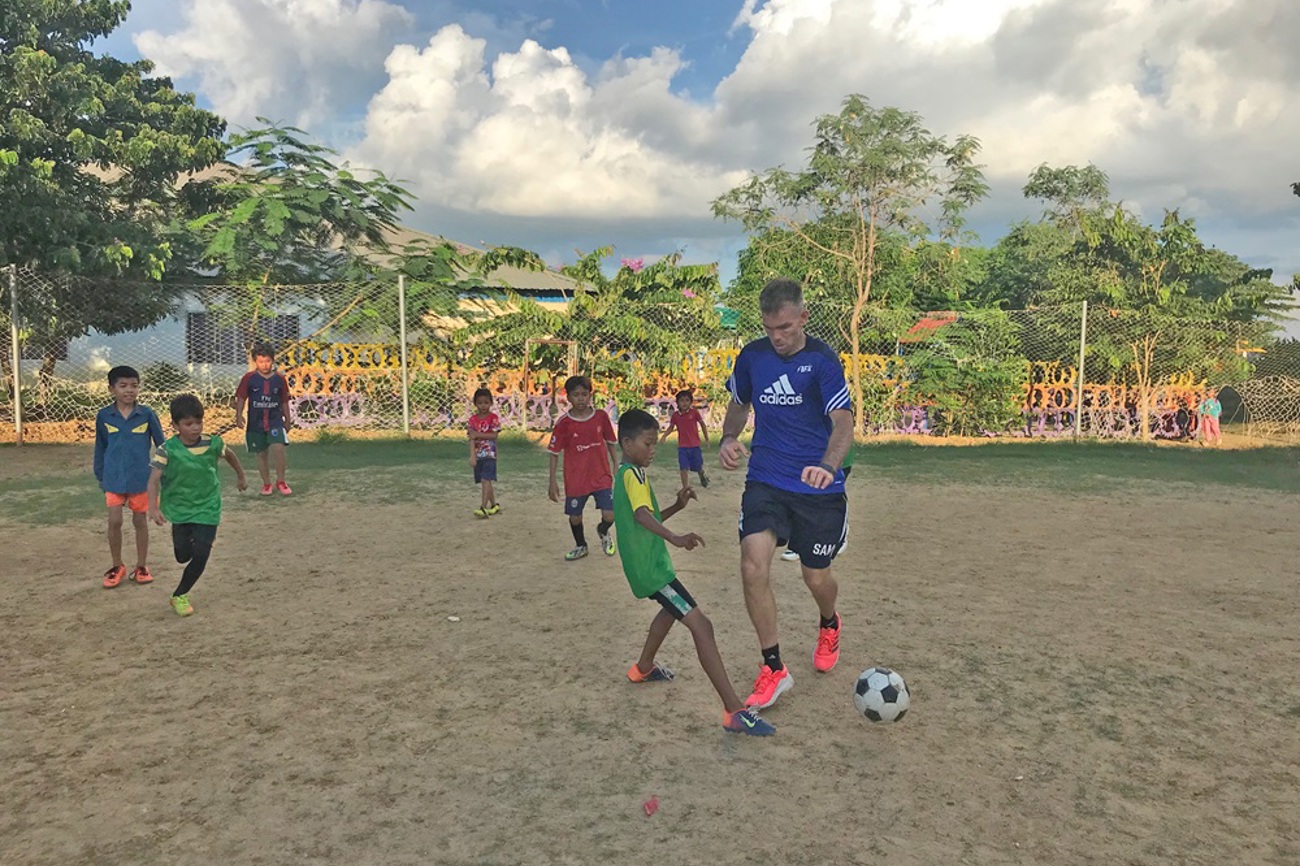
point(645, 318)
point(162, 377)
point(290, 215)
point(91, 149)
point(971, 376)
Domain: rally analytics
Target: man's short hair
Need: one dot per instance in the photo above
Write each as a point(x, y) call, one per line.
point(186, 406)
point(122, 372)
point(576, 382)
point(634, 422)
point(778, 293)
point(263, 350)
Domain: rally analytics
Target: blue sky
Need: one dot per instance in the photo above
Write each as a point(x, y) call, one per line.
point(560, 124)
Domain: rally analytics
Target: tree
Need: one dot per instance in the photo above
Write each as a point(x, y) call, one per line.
point(872, 172)
point(91, 149)
point(1070, 193)
point(289, 217)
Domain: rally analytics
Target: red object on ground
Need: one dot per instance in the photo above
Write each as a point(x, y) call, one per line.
point(651, 806)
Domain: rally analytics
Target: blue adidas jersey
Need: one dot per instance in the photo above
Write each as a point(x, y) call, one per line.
point(792, 399)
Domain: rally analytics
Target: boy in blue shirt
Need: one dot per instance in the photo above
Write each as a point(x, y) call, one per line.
point(125, 434)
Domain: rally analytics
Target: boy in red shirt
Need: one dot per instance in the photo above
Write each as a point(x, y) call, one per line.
point(689, 424)
point(585, 436)
point(484, 427)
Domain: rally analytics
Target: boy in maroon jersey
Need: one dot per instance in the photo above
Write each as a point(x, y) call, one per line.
point(267, 394)
point(585, 436)
point(688, 422)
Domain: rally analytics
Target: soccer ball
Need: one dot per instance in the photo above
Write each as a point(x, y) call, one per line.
point(881, 695)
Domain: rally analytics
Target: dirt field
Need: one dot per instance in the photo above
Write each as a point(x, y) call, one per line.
point(1106, 679)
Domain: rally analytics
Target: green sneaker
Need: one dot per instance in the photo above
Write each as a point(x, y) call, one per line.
point(577, 553)
point(181, 604)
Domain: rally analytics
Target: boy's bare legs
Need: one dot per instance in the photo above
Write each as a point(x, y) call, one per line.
point(659, 628)
point(756, 576)
point(279, 461)
point(686, 479)
point(115, 534)
point(706, 647)
point(488, 496)
point(140, 523)
point(264, 468)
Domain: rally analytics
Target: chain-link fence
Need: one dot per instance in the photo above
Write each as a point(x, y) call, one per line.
point(393, 356)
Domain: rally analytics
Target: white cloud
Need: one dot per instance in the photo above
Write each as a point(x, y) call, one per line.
point(1193, 104)
point(293, 60)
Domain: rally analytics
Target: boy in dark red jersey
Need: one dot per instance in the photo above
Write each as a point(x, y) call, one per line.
point(266, 392)
point(689, 425)
point(585, 436)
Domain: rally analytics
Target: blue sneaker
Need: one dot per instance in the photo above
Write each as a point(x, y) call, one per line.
point(658, 674)
point(747, 722)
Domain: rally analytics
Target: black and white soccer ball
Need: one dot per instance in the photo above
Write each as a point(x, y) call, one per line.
point(881, 695)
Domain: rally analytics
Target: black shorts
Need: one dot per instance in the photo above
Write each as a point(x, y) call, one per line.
point(675, 599)
point(485, 469)
point(813, 525)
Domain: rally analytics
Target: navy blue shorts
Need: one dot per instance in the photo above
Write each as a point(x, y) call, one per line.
point(485, 470)
point(813, 525)
point(604, 501)
point(690, 459)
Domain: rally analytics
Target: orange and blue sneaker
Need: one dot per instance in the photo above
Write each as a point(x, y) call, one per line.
point(141, 575)
point(748, 722)
point(828, 647)
point(114, 576)
point(658, 674)
point(769, 686)
point(181, 604)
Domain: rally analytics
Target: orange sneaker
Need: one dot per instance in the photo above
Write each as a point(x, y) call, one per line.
point(141, 575)
point(828, 647)
point(658, 674)
point(114, 576)
point(768, 687)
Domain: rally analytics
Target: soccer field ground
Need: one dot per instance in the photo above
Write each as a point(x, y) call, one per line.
point(1100, 642)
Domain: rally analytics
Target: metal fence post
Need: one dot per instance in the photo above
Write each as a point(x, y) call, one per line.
point(15, 358)
point(1078, 384)
point(406, 374)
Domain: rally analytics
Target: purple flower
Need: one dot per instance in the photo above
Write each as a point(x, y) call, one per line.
point(687, 293)
point(633, 265)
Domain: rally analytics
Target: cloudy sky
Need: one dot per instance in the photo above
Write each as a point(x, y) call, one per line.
point(563, 124)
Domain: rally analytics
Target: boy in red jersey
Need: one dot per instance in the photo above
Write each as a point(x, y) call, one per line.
point(585, 436)
point(689, 425)
point(484, 427)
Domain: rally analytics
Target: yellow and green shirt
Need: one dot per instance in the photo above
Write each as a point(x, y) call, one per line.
point(191, 489)
point(646, 563)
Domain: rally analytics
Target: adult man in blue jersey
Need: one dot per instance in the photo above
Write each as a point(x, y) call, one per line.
point(794, 490)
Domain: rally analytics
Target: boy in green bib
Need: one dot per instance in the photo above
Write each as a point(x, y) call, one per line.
point(643, 546)
point(185, 489)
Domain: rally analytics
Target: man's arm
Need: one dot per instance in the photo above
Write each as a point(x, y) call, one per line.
point(155, 429)
point(704, 428)
point(841, 438)
point(241, 397)
point(730, 448)
point(672, 422)
point(553, 490)
point(284, 403)
point(155, 489)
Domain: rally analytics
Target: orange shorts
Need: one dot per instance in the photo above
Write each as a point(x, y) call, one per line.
point(137, 502)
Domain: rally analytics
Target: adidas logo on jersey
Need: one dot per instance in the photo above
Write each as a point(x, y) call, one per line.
point(780, 393)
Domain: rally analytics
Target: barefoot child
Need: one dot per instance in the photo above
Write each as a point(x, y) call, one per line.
point(585, 436)
point(484, 427)
point(124, 434)
point(649, 571)
point(266, 392)
point(1208, 416)
point(184, 488)
point(689, 425)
